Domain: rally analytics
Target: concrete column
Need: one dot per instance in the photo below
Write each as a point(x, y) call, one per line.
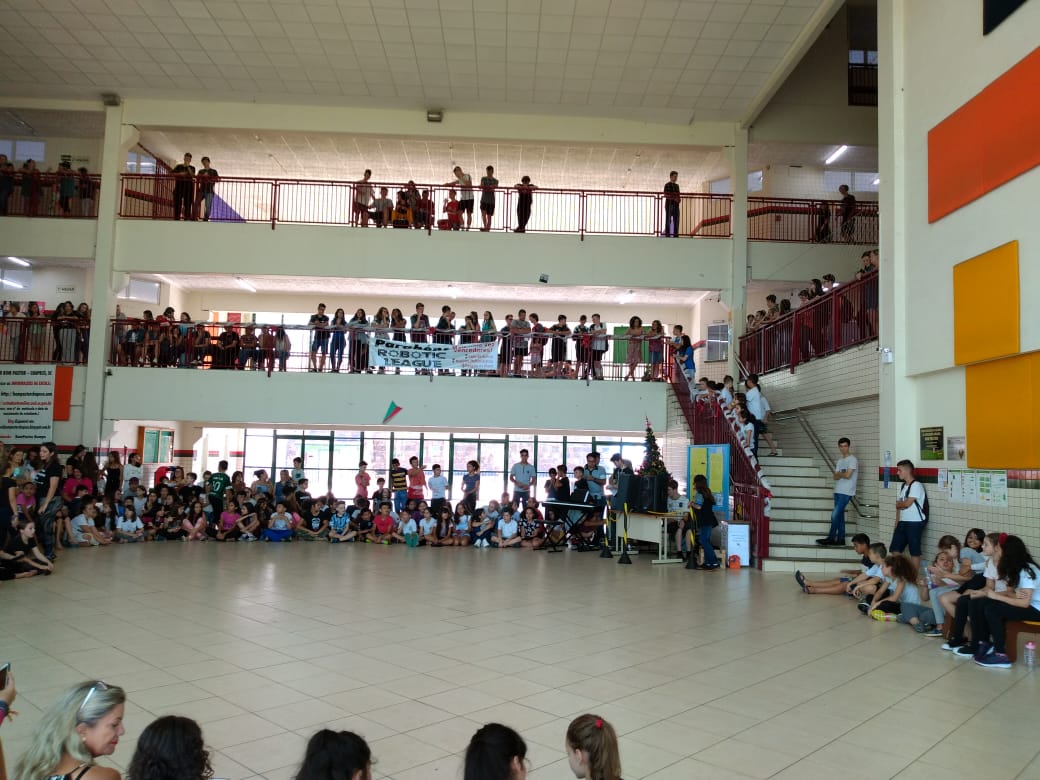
point(118, 139)
point(737, 156)
point(898, 403)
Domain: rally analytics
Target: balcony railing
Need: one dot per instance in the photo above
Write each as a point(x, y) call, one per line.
point(47, 194)
point(838, 320)
point(44, 340)
point(305, 202)
point(218, 346)
point(811, 221)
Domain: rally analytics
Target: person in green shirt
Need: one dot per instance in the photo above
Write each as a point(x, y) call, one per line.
point(218, 485)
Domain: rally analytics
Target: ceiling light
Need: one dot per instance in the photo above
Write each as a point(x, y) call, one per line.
point(19, 261)
point(244, 284)
point(837, 153)
point(626, 297)
point(877, 180)
point(434, 115)
point(9, 283)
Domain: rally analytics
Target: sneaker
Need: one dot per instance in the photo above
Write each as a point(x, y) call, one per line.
point(964, 651)
point(863, 606)
point(985, 648)
point(919, 628)
point(951, 645)
point(825, 541)
point(994, 661)
point(884, 617)
point(932, 631)
point(800, 579)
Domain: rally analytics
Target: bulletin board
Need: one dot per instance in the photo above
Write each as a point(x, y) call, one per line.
point(711, 460)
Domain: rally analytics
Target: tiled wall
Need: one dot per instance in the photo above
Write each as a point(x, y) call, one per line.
point(839, 397)
point(676, 441)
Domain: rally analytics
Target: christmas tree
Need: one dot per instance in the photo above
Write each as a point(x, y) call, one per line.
point(653, 463)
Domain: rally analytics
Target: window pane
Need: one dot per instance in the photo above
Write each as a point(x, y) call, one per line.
point(30, 150)
point(377, 453)
point(720, 187)
point(834, 179)
point(718, 343)
point(754, 181)
point(7, 149)
point(865, 182)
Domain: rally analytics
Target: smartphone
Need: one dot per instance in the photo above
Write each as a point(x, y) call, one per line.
point(3, 675)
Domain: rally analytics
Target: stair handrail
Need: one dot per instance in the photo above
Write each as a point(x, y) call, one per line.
point(799, 415)
point(746, 479)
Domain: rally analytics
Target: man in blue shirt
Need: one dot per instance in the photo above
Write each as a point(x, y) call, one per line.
point(596, 476)
point(522, 475)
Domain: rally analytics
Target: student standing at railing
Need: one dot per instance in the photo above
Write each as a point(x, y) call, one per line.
point(524, 200)
point(184, 189)
point(634, 347)
point(338, 345)
point(464, 182)
point(848, 213)
point(358, 342)
point(319, 325)
point(6, 183)
point(423, 211)
point(671, 205)
point(207, 178)
point(488, 184)
point(597, 346)
point(30, 181)
point(363, 194)
point(86, 187)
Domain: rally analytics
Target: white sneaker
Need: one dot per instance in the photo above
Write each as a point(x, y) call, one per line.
point(484, 543)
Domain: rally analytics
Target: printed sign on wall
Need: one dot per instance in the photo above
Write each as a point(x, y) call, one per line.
point(27, 404)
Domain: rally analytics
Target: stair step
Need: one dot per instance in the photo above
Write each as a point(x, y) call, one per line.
point(816, 528)
point(785, 460)
point(801, 480)
point(782, 501)
point(770, 470)
point(802, 513)
point(802, 491)
point(817, 566)
point(790, 536)
point(811, 552)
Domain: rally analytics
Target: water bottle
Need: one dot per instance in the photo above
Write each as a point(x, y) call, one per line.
point(1030, 655)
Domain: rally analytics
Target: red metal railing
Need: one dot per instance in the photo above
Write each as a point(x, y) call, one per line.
point(43, 340)
point(49, 194)
point(814, 221)
point(844, 317)
point(711, 424)
point(287, 348)
point(297, 201)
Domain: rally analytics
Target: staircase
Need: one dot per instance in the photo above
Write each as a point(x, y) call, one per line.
point(803, 497)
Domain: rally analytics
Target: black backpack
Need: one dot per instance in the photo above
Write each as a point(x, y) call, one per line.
point(924, 509)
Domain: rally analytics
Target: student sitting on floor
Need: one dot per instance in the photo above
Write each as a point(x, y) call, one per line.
point(409, 531)
point(314, 527)
point(82, 531)
point(531, 532)
point(129, 529)
point(900, 599)
point(428, 528)
point(837, 585)
point(444, 527)
point(383, 525)
point(507, 534)
point(460, 526)
point(339, 523)
point(336, 754)
point(483, 528)
point(280, 526)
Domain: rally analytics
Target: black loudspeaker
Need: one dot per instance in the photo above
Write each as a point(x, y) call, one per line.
point(630, 490)
point(653, 494)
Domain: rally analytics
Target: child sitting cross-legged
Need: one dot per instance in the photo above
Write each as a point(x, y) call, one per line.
point(409, 530)
point(280, 526)
point(899, 599)
point(460, 526)
point(427, 528)
point(507, 534)
point(482, 527)
point(383, 526)
point(338, 523)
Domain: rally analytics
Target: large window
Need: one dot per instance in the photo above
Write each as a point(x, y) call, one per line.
point(717, 348)
point(858, 181)
point(331, 457)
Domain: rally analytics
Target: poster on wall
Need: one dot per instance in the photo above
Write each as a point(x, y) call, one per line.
point(932, 443)
point(956, 448)
point(26, 404)
point(977, 488)
point(481, 356)
point(711, 460)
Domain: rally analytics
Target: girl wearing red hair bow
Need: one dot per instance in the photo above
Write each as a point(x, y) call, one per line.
point(592, 749)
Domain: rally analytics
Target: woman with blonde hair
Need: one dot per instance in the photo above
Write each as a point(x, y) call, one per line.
point(84, 723)
point(592, 749)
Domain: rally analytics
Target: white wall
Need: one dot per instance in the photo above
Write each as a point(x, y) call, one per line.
point(232, 397)
point(85, 152)
point(812, 105)
point(804, 181)
point(638, 261)
point(54, 284)
point(48, 237)
point(786, 260)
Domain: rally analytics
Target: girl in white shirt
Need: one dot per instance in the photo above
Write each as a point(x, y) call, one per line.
point(958, 603)
point(460, 527)
point(1021, 601)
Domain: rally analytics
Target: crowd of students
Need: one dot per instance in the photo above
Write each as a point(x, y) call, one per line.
point(87, 721)
point(777, 309)
point(983, 583)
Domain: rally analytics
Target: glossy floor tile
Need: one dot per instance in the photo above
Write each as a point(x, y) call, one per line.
point(728, 674)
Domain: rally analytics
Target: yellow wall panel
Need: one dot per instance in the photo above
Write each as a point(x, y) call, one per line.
point(986, 306)
point(1003, 435)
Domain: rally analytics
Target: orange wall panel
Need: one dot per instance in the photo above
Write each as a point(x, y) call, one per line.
point(986, 327)
point(62, 392)
point(1001, 435)
point(987, 142)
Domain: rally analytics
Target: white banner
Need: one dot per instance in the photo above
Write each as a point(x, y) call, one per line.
point(26, 404)
point(481, 356)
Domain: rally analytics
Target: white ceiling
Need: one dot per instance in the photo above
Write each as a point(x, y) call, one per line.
point(659, 60)
point(405, 290)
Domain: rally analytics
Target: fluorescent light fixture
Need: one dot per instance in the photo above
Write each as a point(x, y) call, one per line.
point(626, 297)
point(19, 261)
point(837, 153)
point(877, 180)
point(244, 284)
point(9, 283)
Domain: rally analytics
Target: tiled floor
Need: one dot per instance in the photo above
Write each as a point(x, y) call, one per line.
point(724, 674)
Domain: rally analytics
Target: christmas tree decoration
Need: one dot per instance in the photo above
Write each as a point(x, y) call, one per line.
point(653, 463)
